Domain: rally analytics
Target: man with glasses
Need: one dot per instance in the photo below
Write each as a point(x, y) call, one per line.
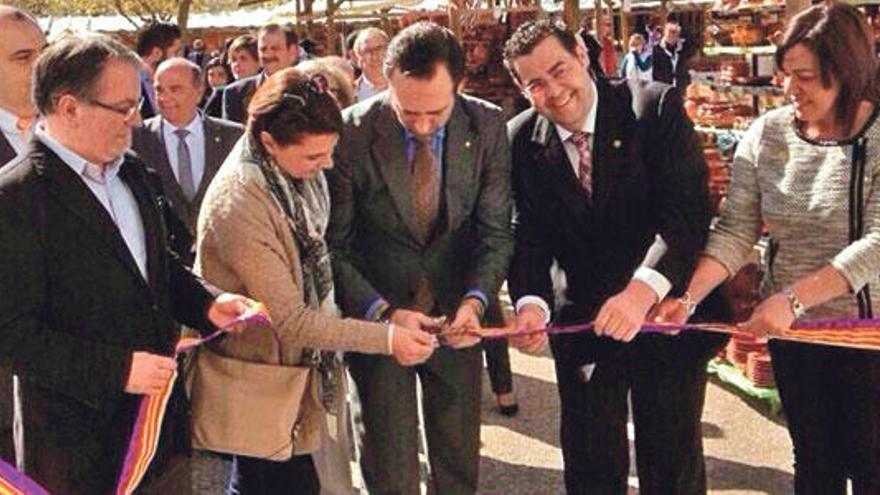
point(91, 292)
point(600, 170)
point(369, 50)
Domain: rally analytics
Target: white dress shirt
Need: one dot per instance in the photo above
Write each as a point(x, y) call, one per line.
point(113, 194)
point(16, 137)
point(645, 273)
point(195, 140)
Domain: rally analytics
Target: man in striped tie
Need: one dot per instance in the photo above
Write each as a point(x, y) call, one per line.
point(600, 171)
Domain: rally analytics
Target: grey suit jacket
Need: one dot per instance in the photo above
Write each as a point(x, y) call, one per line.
point(371, 234)
point(149, 143)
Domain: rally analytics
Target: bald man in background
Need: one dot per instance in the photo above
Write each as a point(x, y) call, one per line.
point(20, 44)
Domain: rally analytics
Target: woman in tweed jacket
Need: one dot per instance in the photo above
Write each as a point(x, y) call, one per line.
point(261, 230)
point(810, 171)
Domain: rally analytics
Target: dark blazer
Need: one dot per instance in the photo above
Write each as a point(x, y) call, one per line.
point(147, 110)
point(662, 70)
point(7, 152)
point(649, 177)
point(213, 104)
point(371, 233)
point(149, 143)
point(77, 308)
point(237, 96)
point(7, 452)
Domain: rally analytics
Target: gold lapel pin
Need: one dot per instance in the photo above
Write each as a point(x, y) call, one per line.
point(616, 143)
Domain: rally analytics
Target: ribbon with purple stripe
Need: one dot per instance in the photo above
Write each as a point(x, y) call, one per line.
point(839, 332)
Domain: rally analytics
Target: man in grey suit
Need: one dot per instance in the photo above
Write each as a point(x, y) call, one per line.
point(420, 228)
point(185, 147)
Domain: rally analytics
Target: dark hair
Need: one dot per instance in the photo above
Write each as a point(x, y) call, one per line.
point(244, 42)
point(73, 66)
point(217, 62)
point(417, 50)
point(290, 104)
point(290, 36)
point(838, 35)
point(157, 34)
point(530, 34)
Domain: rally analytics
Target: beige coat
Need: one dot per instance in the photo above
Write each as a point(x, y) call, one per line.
point(245, 246)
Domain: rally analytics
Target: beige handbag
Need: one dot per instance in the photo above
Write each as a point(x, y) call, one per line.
point(261, 410)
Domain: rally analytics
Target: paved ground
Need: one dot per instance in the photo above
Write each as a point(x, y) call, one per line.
point(746, 451)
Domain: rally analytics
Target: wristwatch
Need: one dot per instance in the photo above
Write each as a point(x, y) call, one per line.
point(797, 307)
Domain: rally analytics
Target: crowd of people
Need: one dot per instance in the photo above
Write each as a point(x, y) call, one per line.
point(375, 210)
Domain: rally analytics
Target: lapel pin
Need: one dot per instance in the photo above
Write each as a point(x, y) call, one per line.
point(467, 144)
point(216, 139)
point(616, 143)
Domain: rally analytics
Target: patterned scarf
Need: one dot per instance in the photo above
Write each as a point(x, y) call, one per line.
point(306, 204)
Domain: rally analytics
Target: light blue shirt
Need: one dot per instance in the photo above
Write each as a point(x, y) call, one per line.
point(195, 140)
point(113, 194)
point(17, 138)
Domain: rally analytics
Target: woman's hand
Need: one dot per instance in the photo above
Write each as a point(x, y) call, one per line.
point(671, 310)
point(772, 317)
point(411, 347)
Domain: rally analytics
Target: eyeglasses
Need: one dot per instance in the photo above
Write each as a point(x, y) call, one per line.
point(127, 111)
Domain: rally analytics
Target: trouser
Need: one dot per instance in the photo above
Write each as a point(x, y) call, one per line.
point(665, 378)
point(7, 449)
point(296, 476)
point(831, 398)
point(498, 364)
point(451, 386)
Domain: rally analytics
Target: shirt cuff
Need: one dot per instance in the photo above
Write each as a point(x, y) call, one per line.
point(391, 339)
point(522, 301)
point(658, 283)
point(375, 309)
point(477, 293)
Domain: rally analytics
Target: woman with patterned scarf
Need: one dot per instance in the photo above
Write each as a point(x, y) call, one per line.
point(261, 231)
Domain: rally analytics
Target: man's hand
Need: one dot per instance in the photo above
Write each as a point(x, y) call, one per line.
point(622, 315)
point(411, 347)
point(229, 307)
point(149, 373)
point(466, 325)
point(671, 310)
point(773, 316)
point(530, 317)
point(417, 320)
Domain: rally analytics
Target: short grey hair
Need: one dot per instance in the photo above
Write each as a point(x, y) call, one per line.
point(367, 33)
point(182, 62)
point(73, 66)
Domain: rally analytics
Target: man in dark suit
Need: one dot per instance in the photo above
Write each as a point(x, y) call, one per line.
point(20, 45)
point(279, 49)
point(184, 147)
point(91, 291)
point(669, 58)
point(420, 227)
point(599, 171)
